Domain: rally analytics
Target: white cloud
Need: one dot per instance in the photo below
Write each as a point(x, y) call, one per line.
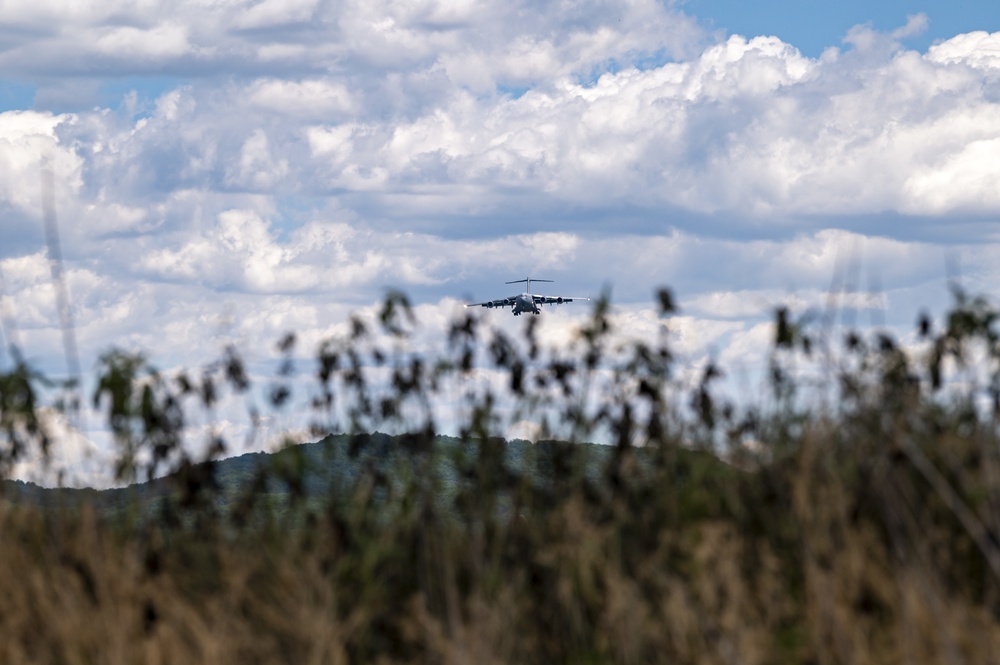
point(746, 354)
point(964, 180)
point(694, 337)
point(258, 168)
point(976, 49)
point(74, 459)
point(310, 98)
point(749, 127)
point(156, 43)
point(915, 25)
point(27, 141)
point(271, 13)
point(248, 35)
point(298, 158)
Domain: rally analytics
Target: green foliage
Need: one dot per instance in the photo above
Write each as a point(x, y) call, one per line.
point(20, 426)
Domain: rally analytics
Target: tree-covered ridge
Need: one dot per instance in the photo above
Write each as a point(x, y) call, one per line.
point(329, 470)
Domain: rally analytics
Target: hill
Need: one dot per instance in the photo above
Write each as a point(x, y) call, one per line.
point(329, 470)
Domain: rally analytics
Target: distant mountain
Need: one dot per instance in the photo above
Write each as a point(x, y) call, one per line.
point(329, 469)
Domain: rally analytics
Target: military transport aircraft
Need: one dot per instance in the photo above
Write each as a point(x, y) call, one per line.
point(527, 301)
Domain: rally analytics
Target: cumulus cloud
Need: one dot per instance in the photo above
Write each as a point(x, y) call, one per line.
point(745, 131)
point(316, 99)
point(475, 44)
point(296, 159)
point(978, 49)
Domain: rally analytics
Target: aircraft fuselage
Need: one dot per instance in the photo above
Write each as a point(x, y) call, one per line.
point(525, 303)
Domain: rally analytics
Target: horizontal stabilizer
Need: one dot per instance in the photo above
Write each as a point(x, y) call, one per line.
point(528, 280)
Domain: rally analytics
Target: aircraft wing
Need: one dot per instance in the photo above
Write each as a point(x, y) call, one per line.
point(554, 300)
point(499, 302)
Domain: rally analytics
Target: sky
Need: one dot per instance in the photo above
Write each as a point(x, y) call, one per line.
point(227, 171)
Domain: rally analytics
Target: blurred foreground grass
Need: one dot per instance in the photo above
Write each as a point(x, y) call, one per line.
point(863, 530)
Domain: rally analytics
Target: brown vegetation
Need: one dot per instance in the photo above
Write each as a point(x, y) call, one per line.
point(861, 533)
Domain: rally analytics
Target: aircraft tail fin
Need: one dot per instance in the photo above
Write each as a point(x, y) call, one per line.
point(527, 281)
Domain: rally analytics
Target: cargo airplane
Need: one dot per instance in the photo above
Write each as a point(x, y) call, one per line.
point(526, 302)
